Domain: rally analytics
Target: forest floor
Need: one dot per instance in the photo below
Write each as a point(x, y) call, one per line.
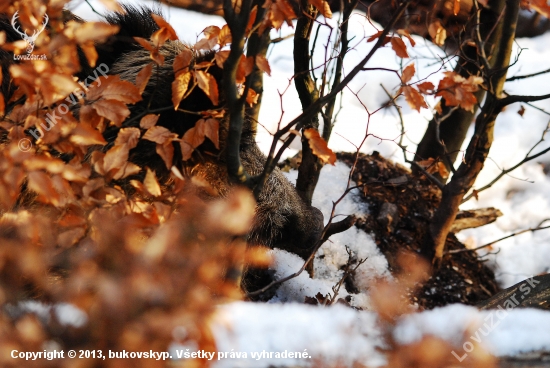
point(401, 205)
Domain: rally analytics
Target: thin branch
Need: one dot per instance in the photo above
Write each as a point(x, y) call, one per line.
point(527, 158)
point(348, 270)
point(513, 99)
point(315, 107)
point(533, 229)
point(518, 77)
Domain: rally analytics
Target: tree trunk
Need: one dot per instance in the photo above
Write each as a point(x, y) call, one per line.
point(310, 168)
point(479, 145)
point(443, 139)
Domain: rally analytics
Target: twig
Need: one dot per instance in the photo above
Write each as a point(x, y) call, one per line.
point(527, 75)
point(533, 229)
point(527, 158)
point(348, 270)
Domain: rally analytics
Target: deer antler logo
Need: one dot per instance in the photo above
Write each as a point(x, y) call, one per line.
point(30, 39)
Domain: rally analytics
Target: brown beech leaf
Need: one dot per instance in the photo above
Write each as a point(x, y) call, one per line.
point(225, 36)
point(208, 84)
point(90, 117)
point(404, 32)
point(278, 12)
point(456, 7)
point(155, 55)
point(179, 87)
point(151, 184)
point(221, 57)
point(245, 67)
point(90, 52)
point(408, 73)
point(148, 121)
point(166, 152)
point(115, 158)
point(183, 61)
point(322, 6)
point(162, 23)
point(458, 91)
point(186, 150)
point(252, 18)
point(540, 6)
point(160, 37)
point(41, 183)
point(210, 39)
point(122, 91)
point(263, 64)
point(2, 105)
point(252, 97)
point(85, 135)
point(414, 98)
point(93, 31)
point(143, 77)
point(399, 47)
point(426, 87)
point(521, 110)
point(159, 134)
point(319, 146)
point(115, 111)
point(374, 36)
point(437, 33)
point(209, 128)
point(128, 136)
point(194, 137)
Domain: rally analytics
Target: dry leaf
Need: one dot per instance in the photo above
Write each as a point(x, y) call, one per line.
point(183, 61)
point(408, 73)
point(162, 23)
point(319, 146)
point(399, 47)
point(437, 33)
point(85, 135)
point(159, 134)
point(208, 84)
point(425, 87)
point(179, 87)
point(151, 184)
point(143, 77)
point(322, 6)
point(209, 128)
point(148, 121)
point(115, 111)
point(263, 64)
point(128, 136)
point(166, 152)
point(414, 98)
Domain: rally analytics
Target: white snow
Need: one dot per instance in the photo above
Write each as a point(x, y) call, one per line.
point(341, 334)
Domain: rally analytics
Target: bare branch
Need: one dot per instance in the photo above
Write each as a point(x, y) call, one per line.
point(518, 77)
point(527, 158)
point(533, 229)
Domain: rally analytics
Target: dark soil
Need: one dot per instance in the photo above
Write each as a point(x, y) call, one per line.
point(401, 205)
